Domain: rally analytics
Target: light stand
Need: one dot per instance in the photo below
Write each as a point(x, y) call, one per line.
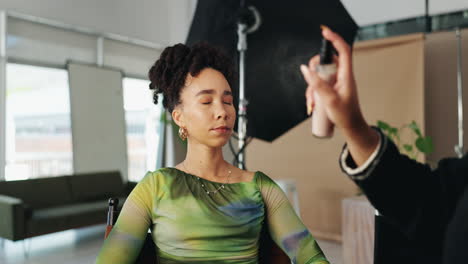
point(459, 147)
point(242, 30)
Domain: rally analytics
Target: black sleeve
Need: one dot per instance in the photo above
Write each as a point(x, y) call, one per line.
point(418, 200)
point(456, 239)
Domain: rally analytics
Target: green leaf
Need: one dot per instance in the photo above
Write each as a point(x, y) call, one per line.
point(382, 125)
point(425, 145)
point(393, 130)
point(408, 147)
point(415, 128)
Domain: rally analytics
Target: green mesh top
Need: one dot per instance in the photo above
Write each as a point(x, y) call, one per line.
point(190, 226)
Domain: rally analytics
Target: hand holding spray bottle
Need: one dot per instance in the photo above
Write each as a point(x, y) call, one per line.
point(322, 127)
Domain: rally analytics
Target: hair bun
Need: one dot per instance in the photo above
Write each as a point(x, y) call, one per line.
point(162, 73)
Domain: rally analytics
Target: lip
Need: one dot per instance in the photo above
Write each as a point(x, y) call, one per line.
point(222, 129)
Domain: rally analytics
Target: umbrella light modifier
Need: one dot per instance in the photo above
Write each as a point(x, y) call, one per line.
point(289, 35)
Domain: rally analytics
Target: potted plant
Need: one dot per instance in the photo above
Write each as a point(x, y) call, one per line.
point(419, 143)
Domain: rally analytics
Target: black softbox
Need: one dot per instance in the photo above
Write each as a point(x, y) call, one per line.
point(288, 36)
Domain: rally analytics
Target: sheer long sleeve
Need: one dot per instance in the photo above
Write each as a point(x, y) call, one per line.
point(128, 235)
point(286, 228)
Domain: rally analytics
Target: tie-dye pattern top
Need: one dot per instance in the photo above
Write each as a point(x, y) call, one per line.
point(190, 226)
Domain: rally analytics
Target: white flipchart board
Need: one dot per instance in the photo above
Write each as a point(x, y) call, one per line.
point(98, 119)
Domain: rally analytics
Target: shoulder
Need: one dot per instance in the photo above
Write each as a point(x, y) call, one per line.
point(249, 176)
point(163, 172)
point(157, 182)
point(456, 166)
point(451, 173)
point(160, 176)
point(264, 182)
point(262, 178)
point(272, 194)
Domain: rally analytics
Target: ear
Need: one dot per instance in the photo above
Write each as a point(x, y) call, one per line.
point(177, 116)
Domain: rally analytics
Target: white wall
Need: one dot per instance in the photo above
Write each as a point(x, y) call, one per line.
point(446, 6)
point(167, 21)
point(158, 21)
point(367, 12)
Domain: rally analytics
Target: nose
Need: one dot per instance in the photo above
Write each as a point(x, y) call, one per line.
point(222, 113)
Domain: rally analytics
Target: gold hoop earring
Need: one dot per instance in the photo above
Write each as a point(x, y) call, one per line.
point(182, 133)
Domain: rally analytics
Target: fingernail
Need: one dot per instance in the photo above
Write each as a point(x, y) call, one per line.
point(323, 27)
point(310, 109)
point(304, 69)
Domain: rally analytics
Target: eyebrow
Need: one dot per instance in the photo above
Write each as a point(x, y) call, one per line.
point(211, 91)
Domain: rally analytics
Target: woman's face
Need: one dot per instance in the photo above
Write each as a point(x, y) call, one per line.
point(206, 110)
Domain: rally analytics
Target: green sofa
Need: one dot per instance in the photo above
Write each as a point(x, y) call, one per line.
point(35, 207)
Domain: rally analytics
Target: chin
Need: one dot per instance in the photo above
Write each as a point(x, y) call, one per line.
point(218, 143)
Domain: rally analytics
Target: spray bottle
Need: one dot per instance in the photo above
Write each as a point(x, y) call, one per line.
point(322, 127)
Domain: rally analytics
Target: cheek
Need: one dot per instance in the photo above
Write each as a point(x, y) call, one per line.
point(197, 117)
point(233, 112)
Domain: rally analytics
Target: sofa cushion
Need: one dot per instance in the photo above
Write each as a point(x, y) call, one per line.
point(39, 193)
point(91, 213)
point(96, 186)
point(52, 219)
point(45, 225)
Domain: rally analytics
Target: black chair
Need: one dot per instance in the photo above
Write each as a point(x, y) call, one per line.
point(269, 252)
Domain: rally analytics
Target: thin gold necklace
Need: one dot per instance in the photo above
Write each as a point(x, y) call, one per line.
point(203, 185)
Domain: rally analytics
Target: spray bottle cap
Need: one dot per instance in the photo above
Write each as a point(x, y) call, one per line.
point(326, 52)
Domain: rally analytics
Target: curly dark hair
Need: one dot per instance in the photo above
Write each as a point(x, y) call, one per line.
point(169, 72)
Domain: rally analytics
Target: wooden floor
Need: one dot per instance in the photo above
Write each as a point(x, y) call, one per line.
point(82, 245)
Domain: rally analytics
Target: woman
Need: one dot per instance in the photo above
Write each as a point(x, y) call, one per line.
point(204, 210)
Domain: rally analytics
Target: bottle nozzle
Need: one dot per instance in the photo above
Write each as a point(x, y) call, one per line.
point(326, 52)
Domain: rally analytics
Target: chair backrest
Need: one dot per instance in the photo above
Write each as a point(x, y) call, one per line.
point(269, 252)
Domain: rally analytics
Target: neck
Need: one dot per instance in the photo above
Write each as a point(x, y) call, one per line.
point(205, 162)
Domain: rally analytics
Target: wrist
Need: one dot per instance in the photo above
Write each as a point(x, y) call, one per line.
point(362, 140)
point(361, 134)
point(356, 127)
